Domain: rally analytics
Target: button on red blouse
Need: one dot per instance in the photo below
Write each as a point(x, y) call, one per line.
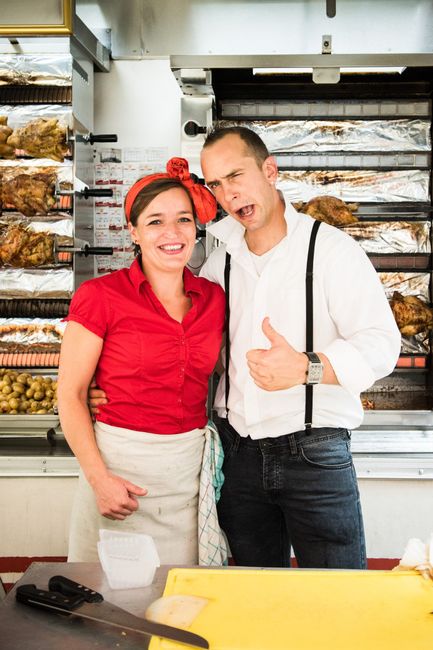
point(153, 369)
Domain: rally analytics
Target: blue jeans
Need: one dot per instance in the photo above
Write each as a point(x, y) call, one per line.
point(298, 490)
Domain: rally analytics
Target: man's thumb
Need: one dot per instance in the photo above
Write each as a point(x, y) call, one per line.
point(274, 337)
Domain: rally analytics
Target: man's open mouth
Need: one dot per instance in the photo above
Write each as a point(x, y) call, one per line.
point(246, 211)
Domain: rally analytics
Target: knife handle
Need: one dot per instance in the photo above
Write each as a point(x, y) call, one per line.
point(70, 588)
point(31, 595)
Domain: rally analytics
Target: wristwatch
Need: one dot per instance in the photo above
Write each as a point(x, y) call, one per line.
point(315, 369)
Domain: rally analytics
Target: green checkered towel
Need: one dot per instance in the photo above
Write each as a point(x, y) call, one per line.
point(212, 545)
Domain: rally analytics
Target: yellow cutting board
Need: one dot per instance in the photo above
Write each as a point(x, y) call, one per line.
point(265, 609)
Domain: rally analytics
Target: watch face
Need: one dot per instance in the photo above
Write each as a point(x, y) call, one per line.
point(315, 372)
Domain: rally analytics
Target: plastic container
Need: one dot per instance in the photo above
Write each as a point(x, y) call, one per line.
point(128, 560)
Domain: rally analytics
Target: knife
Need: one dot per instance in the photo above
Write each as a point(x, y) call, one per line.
point(69, 597)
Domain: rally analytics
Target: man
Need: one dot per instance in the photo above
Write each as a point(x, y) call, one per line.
point(290, 482)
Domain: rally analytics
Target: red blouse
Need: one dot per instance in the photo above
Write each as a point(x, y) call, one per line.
point(153, 369)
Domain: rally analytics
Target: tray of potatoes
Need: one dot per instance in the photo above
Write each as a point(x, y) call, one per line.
point(27, 394)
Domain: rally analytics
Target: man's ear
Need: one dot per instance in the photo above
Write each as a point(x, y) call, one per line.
point(270, 169)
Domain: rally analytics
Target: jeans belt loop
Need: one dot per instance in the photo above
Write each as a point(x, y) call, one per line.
point(293, 444)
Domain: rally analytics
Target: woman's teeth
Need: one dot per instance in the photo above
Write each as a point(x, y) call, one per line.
point(171, 247)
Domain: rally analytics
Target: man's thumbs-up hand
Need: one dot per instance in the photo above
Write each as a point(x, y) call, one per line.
point(279, 367)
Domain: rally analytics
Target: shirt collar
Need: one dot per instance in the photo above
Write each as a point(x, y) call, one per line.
point(136, 275)
point(191, 282)
point(229, 232)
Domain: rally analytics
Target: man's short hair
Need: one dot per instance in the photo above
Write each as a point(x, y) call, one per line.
point(253, 143)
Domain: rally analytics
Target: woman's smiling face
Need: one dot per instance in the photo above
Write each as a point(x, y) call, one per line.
point(166, 231)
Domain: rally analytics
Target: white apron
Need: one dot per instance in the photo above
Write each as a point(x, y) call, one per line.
point(168, 466)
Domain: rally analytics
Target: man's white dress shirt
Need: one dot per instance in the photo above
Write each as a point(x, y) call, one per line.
point(353, 324)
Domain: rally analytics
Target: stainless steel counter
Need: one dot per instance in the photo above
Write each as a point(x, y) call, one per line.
point(26, 628)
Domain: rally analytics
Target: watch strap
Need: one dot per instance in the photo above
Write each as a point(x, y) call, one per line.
point(313, 357)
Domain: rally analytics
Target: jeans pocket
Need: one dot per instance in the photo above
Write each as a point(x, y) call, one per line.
point(332, 452)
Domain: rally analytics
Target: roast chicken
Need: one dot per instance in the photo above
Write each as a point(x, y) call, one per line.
point(6, 150)
point(41, 138)
point(21, 247)
point(30, 194)
point(329, 209)
point(411, 314)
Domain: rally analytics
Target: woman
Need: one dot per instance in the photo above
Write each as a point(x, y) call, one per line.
point(151, 336)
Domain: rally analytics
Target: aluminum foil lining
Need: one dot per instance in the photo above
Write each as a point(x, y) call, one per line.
point(408, 284)
point(313, 136)
point(26, 283)
point(64, 170)
point(31, 334)
point(36, 69)
point(356, 185)
point(391, 236)
point(60, 225)
point(20, 115)
point(418, 344)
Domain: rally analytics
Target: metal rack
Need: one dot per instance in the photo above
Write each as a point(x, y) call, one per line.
point(70, 67)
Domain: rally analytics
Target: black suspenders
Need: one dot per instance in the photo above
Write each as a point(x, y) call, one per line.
point(309, 346)
point(308, 315)
point(227, 350)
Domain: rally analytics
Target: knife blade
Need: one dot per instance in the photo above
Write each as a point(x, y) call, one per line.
point(82, 602)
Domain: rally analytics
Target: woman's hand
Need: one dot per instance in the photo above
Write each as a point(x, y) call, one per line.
point(116, 497)
point(96, 397)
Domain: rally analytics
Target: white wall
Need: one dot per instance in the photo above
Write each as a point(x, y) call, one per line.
point(140, 101)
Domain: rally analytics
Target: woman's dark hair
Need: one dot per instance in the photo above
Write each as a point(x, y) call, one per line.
point(150, 192)
point(253, 143)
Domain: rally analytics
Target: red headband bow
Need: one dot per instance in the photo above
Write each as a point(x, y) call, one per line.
point(204, 202)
